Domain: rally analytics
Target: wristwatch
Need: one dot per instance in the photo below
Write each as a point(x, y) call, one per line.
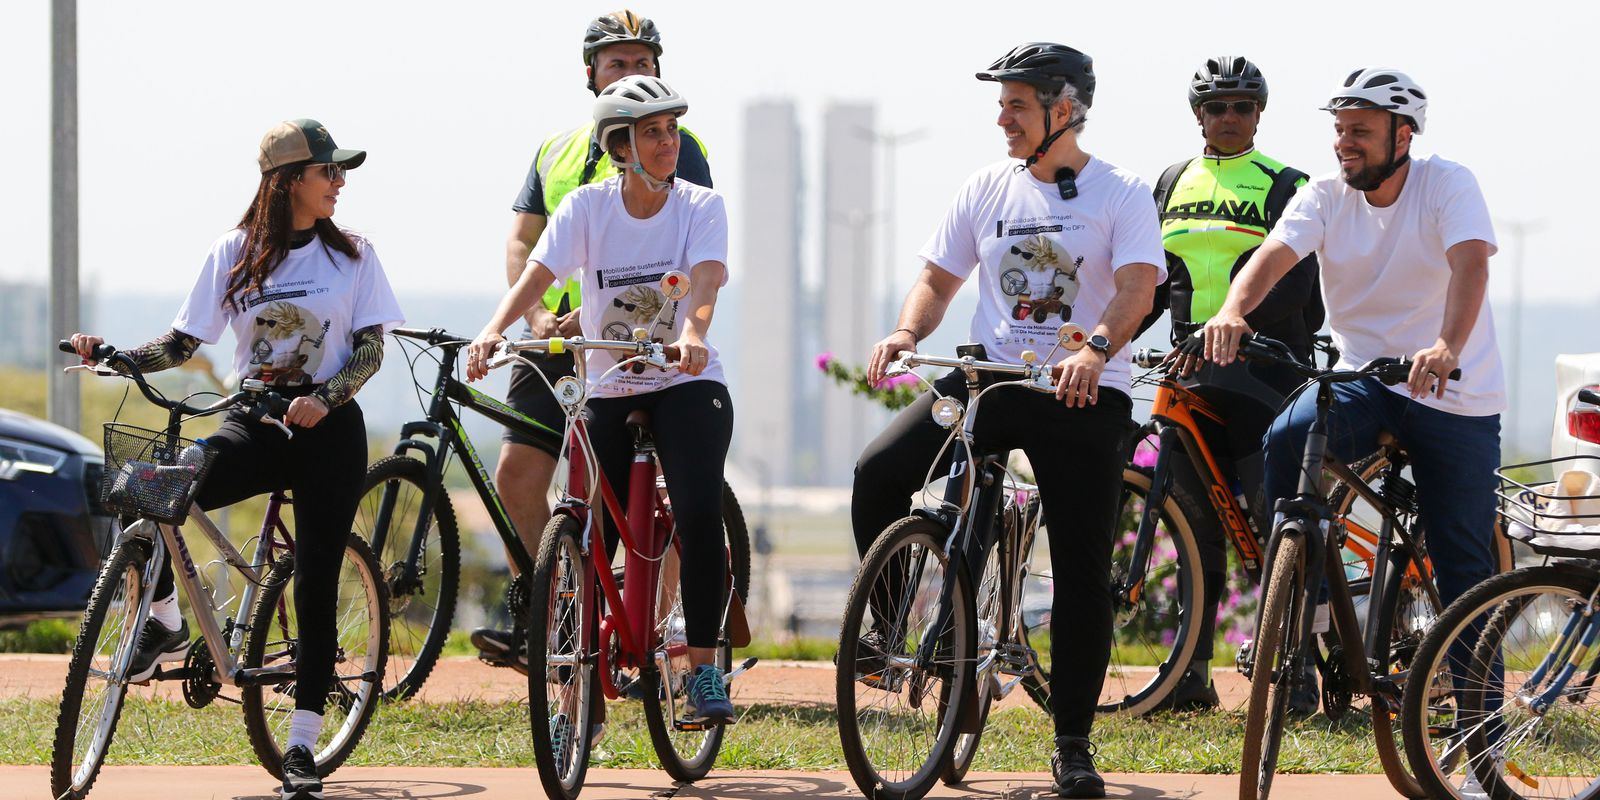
point(1101, 345)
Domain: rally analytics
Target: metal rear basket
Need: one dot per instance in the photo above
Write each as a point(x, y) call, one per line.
point(152, 474)
point(1551, 519)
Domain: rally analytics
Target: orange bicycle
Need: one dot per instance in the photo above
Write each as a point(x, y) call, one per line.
point(1157, 580)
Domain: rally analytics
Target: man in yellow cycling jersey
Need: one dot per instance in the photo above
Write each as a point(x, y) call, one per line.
point(1216, 209)
point(615, 45)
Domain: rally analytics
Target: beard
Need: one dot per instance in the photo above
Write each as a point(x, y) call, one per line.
point(1366, 179)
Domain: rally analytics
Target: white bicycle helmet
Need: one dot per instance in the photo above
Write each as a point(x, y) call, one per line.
point(631, 99)
point(1381, 87)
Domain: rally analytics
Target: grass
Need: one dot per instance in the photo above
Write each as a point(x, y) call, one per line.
point(799, 737)
point(44, 636)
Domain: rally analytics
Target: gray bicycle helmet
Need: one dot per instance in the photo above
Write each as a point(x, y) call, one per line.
point(1227, 76)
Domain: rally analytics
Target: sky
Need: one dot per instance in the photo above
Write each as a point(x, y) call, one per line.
point(450, 105)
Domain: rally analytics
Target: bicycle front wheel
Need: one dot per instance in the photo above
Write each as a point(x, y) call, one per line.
point(1157, 624)
point(91, 703)
point(906, 646)
point(986, 669)
point(1497, 718)
point(1278, 647)
point(687, 752)
point(422, 595)
point(273, 644)
point(562, 692)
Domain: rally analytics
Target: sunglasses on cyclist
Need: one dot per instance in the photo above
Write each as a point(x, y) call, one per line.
point(334, 172)
point(1217, 108)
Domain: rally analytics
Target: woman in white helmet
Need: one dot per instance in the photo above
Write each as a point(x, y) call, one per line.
point(624, 233)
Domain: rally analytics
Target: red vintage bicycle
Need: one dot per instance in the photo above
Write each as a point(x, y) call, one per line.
point(592, 636)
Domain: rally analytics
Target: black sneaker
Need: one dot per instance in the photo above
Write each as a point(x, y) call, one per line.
point(157, 645)
point(1072, 766)
point(1194, 692)
point(499, 648)
point(300, 779)
point(1304, 696)
point(872, 658)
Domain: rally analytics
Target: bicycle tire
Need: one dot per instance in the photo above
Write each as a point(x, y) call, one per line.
point(910, 538)
point(1144, 626)
point(1400, 603)
point(1277, 650)
point(560, 594)
point(988, 615)
point(669, 743)
point(1448, 725)
point(119, 588)
point(412, 656)
point(357, 682)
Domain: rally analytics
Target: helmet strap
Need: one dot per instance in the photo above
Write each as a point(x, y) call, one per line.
point(1394, 164)
point(1050, 137)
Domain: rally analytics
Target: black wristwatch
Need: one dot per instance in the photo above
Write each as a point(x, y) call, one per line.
point(1101, 345)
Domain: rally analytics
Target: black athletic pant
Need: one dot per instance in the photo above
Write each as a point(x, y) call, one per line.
point(1077, 456)
point(692, 424)
point(323, 468)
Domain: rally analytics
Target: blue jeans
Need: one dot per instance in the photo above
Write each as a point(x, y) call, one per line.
point(1453, 459)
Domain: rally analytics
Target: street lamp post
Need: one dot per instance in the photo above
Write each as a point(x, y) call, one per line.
point(63, 315)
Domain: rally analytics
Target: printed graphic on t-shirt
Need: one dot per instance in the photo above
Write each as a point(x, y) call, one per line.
point(1039, 278)
point(285, 343)
point(639, 303)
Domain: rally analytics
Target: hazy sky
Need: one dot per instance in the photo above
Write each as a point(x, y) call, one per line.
point(451, 104)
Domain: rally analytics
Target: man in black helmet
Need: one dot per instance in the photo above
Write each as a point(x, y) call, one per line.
point(1052, 234)
point(1216, 210)
point(615, 45)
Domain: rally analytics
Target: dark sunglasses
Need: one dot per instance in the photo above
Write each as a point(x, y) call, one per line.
point(1217, 108)
point(1026, 256)
point(628, 307)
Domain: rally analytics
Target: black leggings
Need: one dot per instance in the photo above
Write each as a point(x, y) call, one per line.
point(692, 424)
point(1077, 456)
point(323, 467)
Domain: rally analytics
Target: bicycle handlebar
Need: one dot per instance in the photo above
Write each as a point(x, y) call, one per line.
point(558, 345)
point(268, 406)
point(1390, 370)
point(433, 336)
point(908, 360)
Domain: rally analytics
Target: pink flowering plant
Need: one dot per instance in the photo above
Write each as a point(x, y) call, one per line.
point(892, 393)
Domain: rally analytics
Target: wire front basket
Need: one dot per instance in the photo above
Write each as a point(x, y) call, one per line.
point(1559, 518)
point(152, 474)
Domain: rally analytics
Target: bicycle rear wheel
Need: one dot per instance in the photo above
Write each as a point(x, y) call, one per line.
point(91, 702)
point(562, 692)
point(273, 641)
point(1278, 647)
point(1481, 727)
point(422, 603)
point(893, 724)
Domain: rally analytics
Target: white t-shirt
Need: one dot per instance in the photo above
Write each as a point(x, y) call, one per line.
point(296, 331)
point(1043, 261)
point(1385, 276)
point(623, 259)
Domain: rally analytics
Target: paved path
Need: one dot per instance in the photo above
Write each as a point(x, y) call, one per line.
point(380, 783)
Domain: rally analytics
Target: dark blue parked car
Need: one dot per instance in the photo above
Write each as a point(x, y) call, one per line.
point(53, 532)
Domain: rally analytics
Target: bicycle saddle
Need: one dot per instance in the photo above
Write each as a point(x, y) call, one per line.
point(638, 423)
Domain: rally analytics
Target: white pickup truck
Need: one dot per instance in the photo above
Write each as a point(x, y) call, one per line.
point(1576, 428)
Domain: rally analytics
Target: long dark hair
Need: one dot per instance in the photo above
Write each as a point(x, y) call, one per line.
point(267, 224)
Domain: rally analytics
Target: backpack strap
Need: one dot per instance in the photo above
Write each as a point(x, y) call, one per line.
point(1283, 188)
point(1164, 185)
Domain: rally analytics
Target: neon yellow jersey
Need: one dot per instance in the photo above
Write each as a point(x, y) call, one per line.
point(563, 165)
point(1215, 216)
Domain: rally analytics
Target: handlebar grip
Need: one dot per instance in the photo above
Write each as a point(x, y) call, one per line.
point(1589, 396)
point(671, 352)
point(102, 351)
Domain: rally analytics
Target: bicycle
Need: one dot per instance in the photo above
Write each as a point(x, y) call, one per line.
point(1156, 597)
point(151, 479)
point(1366, 659)
point(933, 631)
point(407, 514)
point(578, 653)
point(1508, 709)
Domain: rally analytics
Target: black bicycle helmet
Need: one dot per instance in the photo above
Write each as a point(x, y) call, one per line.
point(619, 27)
point(1047, 65)
point(1227, 76)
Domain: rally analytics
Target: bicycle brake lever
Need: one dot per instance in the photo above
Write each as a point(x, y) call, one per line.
point(98, 369)
point(279, 423)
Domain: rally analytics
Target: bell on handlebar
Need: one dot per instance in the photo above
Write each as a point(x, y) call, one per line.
point(1028, 356)
point(1072, 336)
point(675, 285)
point(568, 392)
point(252, 385)
point(946, 411)
point(641, 335)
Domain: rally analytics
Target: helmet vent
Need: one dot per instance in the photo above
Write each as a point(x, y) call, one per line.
point(1379, 80)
